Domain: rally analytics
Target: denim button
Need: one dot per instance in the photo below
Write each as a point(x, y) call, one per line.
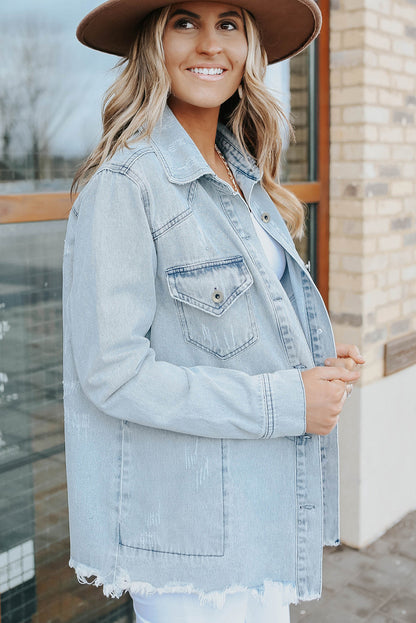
point(217, 296)
point(265, 217)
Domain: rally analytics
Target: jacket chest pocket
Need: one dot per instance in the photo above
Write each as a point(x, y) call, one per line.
point(214, 305)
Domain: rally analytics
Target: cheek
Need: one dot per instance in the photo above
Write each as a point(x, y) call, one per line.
point(240, 57)
point(240, 64)
point(170, 52)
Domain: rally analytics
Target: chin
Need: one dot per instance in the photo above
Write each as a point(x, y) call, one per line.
point(209, 100)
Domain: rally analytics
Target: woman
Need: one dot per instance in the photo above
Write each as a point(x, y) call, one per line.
point(200, 417)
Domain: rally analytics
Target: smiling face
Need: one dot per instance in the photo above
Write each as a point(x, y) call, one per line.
point(205, 52)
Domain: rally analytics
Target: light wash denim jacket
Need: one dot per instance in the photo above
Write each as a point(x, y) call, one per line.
point(187, 460)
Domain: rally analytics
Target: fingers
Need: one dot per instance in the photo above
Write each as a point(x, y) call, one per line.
point(336, 373)
point(342, 391)
point(346, 362)
point(326, 390)
point(351, 351)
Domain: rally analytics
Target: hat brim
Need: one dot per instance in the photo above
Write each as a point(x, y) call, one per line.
point(287, 26)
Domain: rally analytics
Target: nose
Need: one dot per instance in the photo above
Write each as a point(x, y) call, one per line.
point(209, 42)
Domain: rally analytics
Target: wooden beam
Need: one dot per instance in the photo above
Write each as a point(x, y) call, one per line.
point(34, 207)
point(308, 192)
point(56, 206)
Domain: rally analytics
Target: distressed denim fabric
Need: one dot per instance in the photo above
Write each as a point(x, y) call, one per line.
point(188, 465)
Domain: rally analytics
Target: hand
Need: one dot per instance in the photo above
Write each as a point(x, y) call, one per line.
point(325, 392)
point(348, 357)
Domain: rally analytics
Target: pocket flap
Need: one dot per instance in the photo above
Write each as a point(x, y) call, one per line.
point(212, 286)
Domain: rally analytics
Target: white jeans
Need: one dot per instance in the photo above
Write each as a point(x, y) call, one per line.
point(185, 608)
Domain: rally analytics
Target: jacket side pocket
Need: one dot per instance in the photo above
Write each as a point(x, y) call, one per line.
point(172, 493)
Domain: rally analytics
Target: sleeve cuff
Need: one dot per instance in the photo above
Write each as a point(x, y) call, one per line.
point(285, 404)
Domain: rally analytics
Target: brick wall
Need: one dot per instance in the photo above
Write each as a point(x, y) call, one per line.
point(373, 252)
point(373, 173)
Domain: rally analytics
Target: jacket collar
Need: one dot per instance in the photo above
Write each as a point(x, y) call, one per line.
point(182, 160)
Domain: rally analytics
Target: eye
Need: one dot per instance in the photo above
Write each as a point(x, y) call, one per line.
point(183, 24)
point(227, 25)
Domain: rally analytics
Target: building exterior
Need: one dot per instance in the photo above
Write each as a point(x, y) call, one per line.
point(353, 104)
point(372, 284)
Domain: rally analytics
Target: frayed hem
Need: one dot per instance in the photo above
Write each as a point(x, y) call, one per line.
point(309, 597)
point(283, 593)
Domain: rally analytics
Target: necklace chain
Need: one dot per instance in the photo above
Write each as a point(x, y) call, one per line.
point(230, 175)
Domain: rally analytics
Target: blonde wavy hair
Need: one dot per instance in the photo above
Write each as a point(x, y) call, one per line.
point(138, 97)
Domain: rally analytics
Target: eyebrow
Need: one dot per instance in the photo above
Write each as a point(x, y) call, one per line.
point(196, 16)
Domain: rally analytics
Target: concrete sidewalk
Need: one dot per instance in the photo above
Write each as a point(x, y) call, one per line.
point(376, 584)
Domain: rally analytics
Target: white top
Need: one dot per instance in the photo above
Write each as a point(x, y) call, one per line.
point(273, 250)
point(240, 607)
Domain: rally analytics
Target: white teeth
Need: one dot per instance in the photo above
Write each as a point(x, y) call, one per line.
point(212, 71)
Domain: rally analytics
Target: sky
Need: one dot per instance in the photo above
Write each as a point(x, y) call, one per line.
point(81, 75)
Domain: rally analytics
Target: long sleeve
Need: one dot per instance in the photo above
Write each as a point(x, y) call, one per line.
point(111, 306)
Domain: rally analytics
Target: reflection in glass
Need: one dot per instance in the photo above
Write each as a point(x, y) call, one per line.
point(36, 583)
point(50, 94)
point(289, 82)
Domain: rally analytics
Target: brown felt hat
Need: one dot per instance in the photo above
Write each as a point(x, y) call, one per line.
point(286, 26)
